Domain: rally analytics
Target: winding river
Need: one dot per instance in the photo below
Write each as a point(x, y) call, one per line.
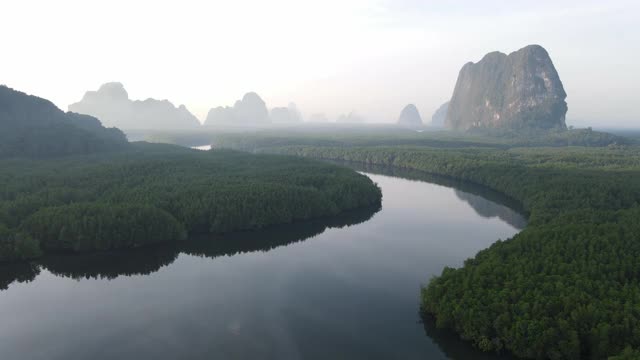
point(345, 288)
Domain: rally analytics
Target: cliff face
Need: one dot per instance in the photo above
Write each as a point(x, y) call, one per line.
point(410, 116)
point(438, 117)
point(111, 104)
point(519, 90)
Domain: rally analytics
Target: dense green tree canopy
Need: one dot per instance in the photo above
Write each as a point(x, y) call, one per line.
point(155, 193)
point(568, 285)
point(33, 127)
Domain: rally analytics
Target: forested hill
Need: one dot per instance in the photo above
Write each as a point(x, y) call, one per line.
point(160, 193)
point(34, 127)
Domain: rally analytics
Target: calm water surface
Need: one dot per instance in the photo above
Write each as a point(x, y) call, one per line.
point(343, 288)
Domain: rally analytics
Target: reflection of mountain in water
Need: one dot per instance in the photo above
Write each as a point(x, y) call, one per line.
point(112, 264)
point(491, 209)
point(486, 202)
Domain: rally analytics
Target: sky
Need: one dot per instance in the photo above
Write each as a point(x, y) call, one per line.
point(329, 56)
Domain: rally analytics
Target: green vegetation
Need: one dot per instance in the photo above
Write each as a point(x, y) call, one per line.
point(34, 127)
point(147, 260)
point(82, 226)
point(568, 285)
point(381, 135)
point(154, 193)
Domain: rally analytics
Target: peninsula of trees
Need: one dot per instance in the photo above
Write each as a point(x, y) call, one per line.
point(69, 184)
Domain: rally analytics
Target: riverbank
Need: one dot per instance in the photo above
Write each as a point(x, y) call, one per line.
point(340, 287)
point(568, 285)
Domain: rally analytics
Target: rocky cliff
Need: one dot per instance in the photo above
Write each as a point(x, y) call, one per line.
point(438, 118)
point(410, 116)
point(519, 90)
point(111, 104)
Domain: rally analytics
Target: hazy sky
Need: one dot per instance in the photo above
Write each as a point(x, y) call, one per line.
point(329, 56)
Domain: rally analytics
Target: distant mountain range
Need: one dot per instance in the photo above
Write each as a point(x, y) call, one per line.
point(111, 104)
point(252, 110)
point(521, 90)
point(34, 127)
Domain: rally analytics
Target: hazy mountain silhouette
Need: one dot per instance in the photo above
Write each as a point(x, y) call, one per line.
point(251, 109)
point(410, 116)
point(318, 118)
point(111, 104)
point(352, 117)
point(438, 118)
point(289, 114)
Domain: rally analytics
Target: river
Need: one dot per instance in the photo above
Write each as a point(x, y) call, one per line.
point(344, 288)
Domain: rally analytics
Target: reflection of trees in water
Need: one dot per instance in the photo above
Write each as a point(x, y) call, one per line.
point(147, 260)
point(110, 265)
point(17, 272)
point(455, 348)
point(270, 238)
point(486, 202)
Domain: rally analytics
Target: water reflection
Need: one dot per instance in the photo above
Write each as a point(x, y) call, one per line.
point(213, 246)
point(486, 202)
point(490, 209)
point(18, 272)
point(112, 264)
point(301, 291)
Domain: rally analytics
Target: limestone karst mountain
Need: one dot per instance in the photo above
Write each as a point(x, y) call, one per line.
point(519, 90)
point(410, 116)
point(111, 104)
point(296, 114)
point(251, 109)
point(438, 117)
point(220, 115)
point(289, 114)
